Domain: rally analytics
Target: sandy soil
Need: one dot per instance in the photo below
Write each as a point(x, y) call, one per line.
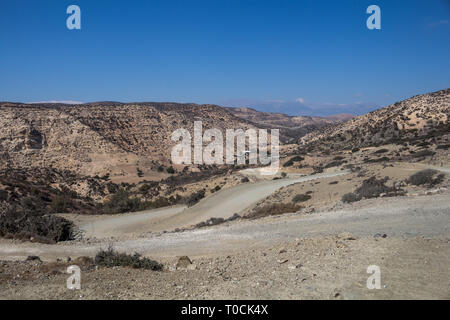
point(311, 254)
point(312, 268)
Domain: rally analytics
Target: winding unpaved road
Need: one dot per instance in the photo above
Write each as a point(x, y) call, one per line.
point(396, 217)
point(220, 204)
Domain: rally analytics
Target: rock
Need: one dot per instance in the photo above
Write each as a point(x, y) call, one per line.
point(283, 251)
point(295, 266)
point(379, 235)
point(183, 262)
point(346, 236)
point(33, 258)
point(281, 261)
point(234, 217)
point(192, 267)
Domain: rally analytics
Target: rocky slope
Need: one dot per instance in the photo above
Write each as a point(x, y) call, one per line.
point(419, 118)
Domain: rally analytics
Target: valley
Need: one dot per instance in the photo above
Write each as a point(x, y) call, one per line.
point(349, 193)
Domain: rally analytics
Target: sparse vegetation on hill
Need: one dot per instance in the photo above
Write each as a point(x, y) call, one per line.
point(26, 224)
point(415, 119)
point(195, 197)
point(372, 188)
point(272, 210)
point(426, 177)
point(301, 198)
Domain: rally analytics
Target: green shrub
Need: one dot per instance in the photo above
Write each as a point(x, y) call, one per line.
point(426, 177)
point(372, 188)
point(61, 204)
point(195, 197)
point(144, 188)
point(158, 203)
point(291, 161)
point(3, 195)
point(23, 224)
point(170, 170)
point(121, 202)
point(272, 209)
point(350, 197)
point(423, 153)
point(111, 258)
point(334, 164)
point(112, 187)
point(301, 198)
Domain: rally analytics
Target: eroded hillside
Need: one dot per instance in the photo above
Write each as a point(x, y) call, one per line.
point(418, 118)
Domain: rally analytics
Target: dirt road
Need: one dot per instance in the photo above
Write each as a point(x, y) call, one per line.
point(396, 217)
point(221, 204)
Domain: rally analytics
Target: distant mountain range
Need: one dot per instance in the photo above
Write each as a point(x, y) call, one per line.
point(291, 127)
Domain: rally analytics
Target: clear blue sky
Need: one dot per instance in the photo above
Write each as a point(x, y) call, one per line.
point(265, 54)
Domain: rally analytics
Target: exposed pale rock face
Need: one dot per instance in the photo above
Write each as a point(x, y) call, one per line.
point(100, 138)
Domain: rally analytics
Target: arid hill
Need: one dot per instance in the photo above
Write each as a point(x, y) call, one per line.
point(291, 127)
point(418, 118)
point(101, 138)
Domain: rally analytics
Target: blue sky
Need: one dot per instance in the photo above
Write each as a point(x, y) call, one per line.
point(298, 57)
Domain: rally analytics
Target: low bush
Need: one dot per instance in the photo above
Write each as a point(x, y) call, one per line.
point(111, 258)
point(215, 221)
point(301, 198)
point(334, 164)
point(350, 197)
point(426, 177)
point(20, 223)
point(144, 188)
point(382, 159)
point(272, 209)
point(170, 170)
point(61, 203)
point(195, 197)
point(372, 188)
point(423, 153)
point(291, 161)
point(121, 202)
